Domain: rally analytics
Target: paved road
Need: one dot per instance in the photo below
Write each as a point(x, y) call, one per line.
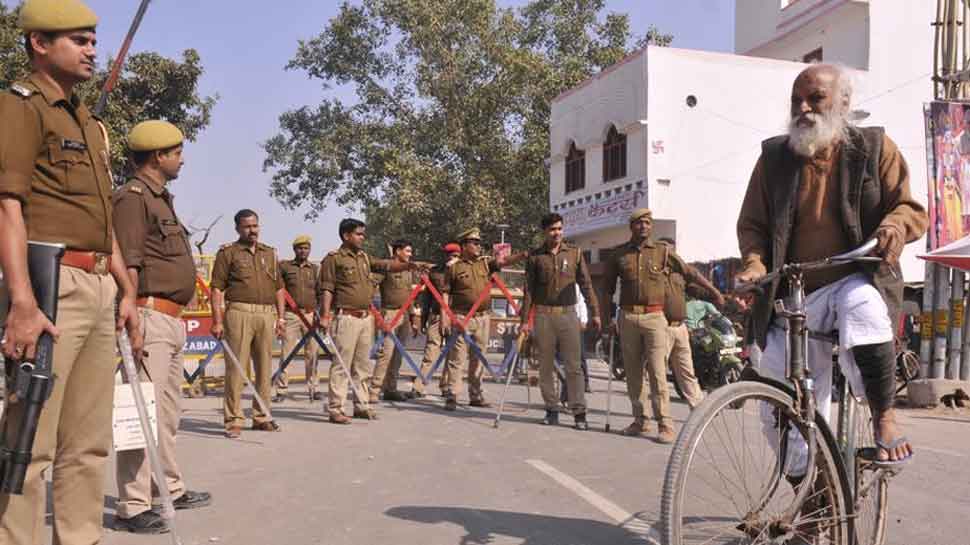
point(422, 476)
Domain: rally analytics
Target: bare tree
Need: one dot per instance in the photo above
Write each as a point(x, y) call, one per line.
point(193, 230)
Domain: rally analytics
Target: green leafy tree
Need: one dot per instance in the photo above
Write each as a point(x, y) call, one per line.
point(150, 87)
point(450, 125)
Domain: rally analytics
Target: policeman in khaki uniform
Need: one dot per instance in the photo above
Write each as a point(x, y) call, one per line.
point(431, 321)
point(246, 275)
point(552, 273)
point(159, 258)
point(346, 294)
point(395, 289)
point(300, 278)
point(464, 282)
point(643, 266)
point(679, 357)
point(55, 187)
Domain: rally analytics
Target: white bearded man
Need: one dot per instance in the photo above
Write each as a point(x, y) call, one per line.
point(823, 189)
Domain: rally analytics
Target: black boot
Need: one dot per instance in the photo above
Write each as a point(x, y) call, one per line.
point(580, 423)
point(146, 522)
point(551, 419)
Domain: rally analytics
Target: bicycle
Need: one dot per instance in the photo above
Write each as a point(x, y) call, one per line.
point(756, 463)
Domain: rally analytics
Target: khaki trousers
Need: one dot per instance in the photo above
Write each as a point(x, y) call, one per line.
point(164, 339)
point(353, 337)
point(682, 363)
point(250, 330)
point(562, 330)
point(388, 368)
point(460, 357)
point(295, 330)
point(432, 350)
point(74, 431)
point(643, 339)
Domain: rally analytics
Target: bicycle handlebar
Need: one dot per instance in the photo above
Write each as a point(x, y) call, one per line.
point(858, 255)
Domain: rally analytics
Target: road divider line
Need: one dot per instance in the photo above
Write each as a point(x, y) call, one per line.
point(607, 507)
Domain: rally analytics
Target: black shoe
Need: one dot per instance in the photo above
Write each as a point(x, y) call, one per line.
point(278, 398)
point(479, 403)
point(451, 404)
point(394, 396)
point(146, 522)
point(316, 396)
point(588, 389)
point(551, 419)
point(580, 422)
point(192, 500)
point(414, 395)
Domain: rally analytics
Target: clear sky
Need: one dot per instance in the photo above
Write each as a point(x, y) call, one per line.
point(244, 46)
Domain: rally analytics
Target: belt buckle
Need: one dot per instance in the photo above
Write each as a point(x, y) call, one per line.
point(100, 264)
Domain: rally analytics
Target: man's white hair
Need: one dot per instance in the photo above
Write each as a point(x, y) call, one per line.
point(829, 127)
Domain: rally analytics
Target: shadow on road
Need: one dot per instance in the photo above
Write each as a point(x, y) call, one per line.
point(483, 525)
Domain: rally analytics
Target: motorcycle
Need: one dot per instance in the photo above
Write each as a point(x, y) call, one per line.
point(716, 351)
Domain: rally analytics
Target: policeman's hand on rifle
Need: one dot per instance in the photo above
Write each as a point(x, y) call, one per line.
point(445, 326)
point(128, 318)
point(25, 323)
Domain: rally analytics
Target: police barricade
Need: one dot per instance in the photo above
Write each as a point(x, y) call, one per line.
point(462, 325)
point(385, 329)
point(310, 335)
point(203, 345)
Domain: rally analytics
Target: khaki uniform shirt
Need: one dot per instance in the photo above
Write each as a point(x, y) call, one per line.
point(466, 279)
point(247, 276)
point(395, 289)
point(347, 275)
point(54, 160)
point(642, 272)
point(300, 280)
point(551, 279)
point(154, 241)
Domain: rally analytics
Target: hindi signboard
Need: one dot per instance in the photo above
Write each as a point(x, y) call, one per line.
point(602, 213)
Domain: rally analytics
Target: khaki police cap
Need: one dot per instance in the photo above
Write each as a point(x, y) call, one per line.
point(154, 135)
point(302, 239)
point(470, 234)
point(640, 213)
point(55, 16)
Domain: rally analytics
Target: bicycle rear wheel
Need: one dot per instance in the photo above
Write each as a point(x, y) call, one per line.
point(870, 484)
point(733, 474)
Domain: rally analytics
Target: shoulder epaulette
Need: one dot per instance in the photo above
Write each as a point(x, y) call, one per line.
point(20, 90)
point(135, 189)
point(333, 253)
point(226, 245)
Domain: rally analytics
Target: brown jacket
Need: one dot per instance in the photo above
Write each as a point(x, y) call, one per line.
point(873, 192)
point(247, 276)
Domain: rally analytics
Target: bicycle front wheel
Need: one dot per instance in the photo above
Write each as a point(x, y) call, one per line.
point(737, 467)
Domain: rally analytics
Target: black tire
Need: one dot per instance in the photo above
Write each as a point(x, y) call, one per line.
point(870, 485)
point(731, 400)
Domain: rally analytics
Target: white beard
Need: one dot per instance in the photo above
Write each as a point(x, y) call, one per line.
point(826, 130)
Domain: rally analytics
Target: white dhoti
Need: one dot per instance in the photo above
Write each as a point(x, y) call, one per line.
point(852, 307)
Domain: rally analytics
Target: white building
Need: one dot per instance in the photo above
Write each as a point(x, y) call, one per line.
point(679, 131)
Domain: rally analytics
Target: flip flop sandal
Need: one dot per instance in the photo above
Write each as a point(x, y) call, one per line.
point(871, 454)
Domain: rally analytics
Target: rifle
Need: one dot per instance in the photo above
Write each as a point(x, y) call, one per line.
point(33, 380)
point(116, 66)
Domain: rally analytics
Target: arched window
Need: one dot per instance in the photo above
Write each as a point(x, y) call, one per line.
point(575, 169)
point(614, 155)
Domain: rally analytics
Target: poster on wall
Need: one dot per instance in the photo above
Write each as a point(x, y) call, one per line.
point(948, 159)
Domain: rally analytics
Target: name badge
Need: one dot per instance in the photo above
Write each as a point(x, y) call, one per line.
point(73, 145)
